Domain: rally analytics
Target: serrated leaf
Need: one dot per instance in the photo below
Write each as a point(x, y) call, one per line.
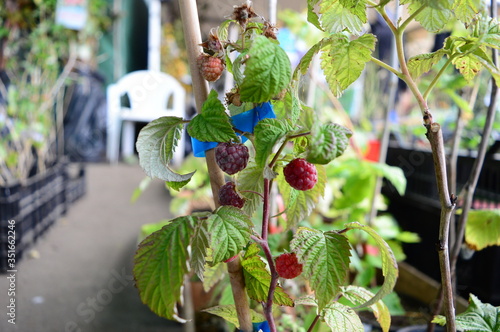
point(212, 124)
point(258, 279)
point(199, 245)
point(212, 275)
point(340, 317)
point(466, 10)
point(326, 261)
point(307, 58)
point(267, 72)
point(394, 174)
point(435, 15)
point(299, 204)
point(312, 16)
point(487, 31)
point(160, 264)
point(327, 143)
point(487, 63)
point(229, 229)
point(223, 30)
point(251, 181)
point(422, 63)
point(482, 229)
point(156, 145)
point(478, 317)
point(267, 133)
point(356, 7)
point(468, 66)
point(389, 263)
point(336, 18)
point(228, 312)
point(343, 60)
point(358, 295)
point(287, 108)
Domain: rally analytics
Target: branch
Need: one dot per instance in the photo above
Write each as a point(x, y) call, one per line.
point(435, 136)
point(192, 35)
point(436, 78)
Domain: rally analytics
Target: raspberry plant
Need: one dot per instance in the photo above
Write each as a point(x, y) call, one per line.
point(202, 241)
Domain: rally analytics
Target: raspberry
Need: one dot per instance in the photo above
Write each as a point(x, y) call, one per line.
point(300, 174)
point(288, 266)
point(231, 157)
point(229, 196)
point(210, 67)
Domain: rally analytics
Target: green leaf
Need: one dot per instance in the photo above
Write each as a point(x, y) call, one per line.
point(327, 143)
point(326, 261)
point(466, 10)
point(212, 275)
point(358, 295)
point(156, 144)
point(199, 245)
point(356, 7)
point(487, 31)
point(223, 30)
point(340, 317)
point(422, 63)
point(267, 133)
point(228, 312)
point(258, 279)
point(268, 71)
point(251, 181)
point(483, 229)
point(307, 58)
point(212, 124)
point(394, 174)
point(478, 317)
point(160, 265)
point(343, 60)
point(389, 264)
point(299, 204)
point(229, 228)
point(435, 14)
point(336, 18)
point(487, 63)
point(288, 107)
point(312, 16)
point(468, 65)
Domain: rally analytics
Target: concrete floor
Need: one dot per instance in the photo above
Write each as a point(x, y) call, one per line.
point(82, 279)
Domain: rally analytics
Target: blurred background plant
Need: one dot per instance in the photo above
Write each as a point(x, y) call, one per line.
point(37, 57)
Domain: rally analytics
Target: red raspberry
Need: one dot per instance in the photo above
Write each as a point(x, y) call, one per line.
point(288, 266)
point(210, 67)
point(300, 174)
point(229, 196)
point(231, 157)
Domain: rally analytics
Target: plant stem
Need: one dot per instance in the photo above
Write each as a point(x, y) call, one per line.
point(436, 78)
point(265, 213)
point(435, 137)
point(386, 66)
point(316, 319)
point(192, 36)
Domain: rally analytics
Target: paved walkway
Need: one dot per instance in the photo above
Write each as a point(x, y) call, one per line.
point(82, 279)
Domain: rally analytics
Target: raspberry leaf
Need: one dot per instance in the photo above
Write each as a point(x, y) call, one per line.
point(199, 245)
point(389, 263)
point(336, 17)
point(212, 275)
point(343, 60)
point(288, 107)
point(212, 124)
point(483, 229)
point(422, 63)
point(258, 279)
point(251, 181)
point(358, 295)
point(160, 266)
point(340, 317)
point(267, 72)
point(327, 143)
point(229, 228)
point(267, 133)
point(228, 312)
point(435, 14)
point(325, 256)
point(156, 145)
point(300, 204)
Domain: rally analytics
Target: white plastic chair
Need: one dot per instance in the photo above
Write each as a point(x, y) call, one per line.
point(151, 95)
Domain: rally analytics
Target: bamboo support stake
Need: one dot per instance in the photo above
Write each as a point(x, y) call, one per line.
point(192, 35)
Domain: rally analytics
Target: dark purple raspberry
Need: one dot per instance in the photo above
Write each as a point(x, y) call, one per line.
point(300, 174)
point(231, 157)
point(229, 196)
point(288, 266)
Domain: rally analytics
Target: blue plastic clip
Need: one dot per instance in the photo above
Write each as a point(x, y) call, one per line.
point(263, 326)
